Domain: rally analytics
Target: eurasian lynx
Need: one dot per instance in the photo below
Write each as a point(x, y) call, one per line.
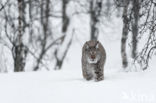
point(93, 60)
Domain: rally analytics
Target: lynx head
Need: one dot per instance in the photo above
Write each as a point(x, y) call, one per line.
point(92, 52)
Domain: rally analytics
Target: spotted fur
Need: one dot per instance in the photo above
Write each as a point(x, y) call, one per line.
point(93, 60)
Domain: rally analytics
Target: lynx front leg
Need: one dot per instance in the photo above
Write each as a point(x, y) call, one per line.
point(87, 75)
point(99, 74)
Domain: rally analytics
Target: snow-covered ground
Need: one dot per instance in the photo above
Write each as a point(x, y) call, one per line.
point(68, 86)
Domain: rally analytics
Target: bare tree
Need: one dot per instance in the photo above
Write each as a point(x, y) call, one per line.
point(20, 52)
point(95, 13)
point(40, 37)
point(44, 10)
point(61, 54)
point(139, 9)
point(135, 10)
point(125, 35)
point(65, 18)
point(130, 24)
point(147, 27)
point(63, 47)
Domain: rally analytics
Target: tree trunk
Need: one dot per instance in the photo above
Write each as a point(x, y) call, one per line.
point(60, 53)
point(135, 11)
point(124, 36)
point(95, 13)
point(65, 18)
point(19, 50)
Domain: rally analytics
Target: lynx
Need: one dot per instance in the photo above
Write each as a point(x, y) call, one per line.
point(93, 60)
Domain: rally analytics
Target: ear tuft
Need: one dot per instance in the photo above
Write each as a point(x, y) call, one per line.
point(87, 46)
point(97, 45)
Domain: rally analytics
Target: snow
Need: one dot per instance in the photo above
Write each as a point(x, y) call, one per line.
point(68, 86)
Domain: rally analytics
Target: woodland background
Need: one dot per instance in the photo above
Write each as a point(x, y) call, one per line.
point(43, 34)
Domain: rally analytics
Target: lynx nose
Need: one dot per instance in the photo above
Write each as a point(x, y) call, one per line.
point(93, 56)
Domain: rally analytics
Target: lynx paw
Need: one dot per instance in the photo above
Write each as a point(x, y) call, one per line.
point(99, 79)
point(89, 77)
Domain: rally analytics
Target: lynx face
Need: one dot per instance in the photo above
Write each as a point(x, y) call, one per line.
point(92, 54)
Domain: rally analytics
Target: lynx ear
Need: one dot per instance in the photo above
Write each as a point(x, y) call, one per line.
point(87, 46)
point(97, 45)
